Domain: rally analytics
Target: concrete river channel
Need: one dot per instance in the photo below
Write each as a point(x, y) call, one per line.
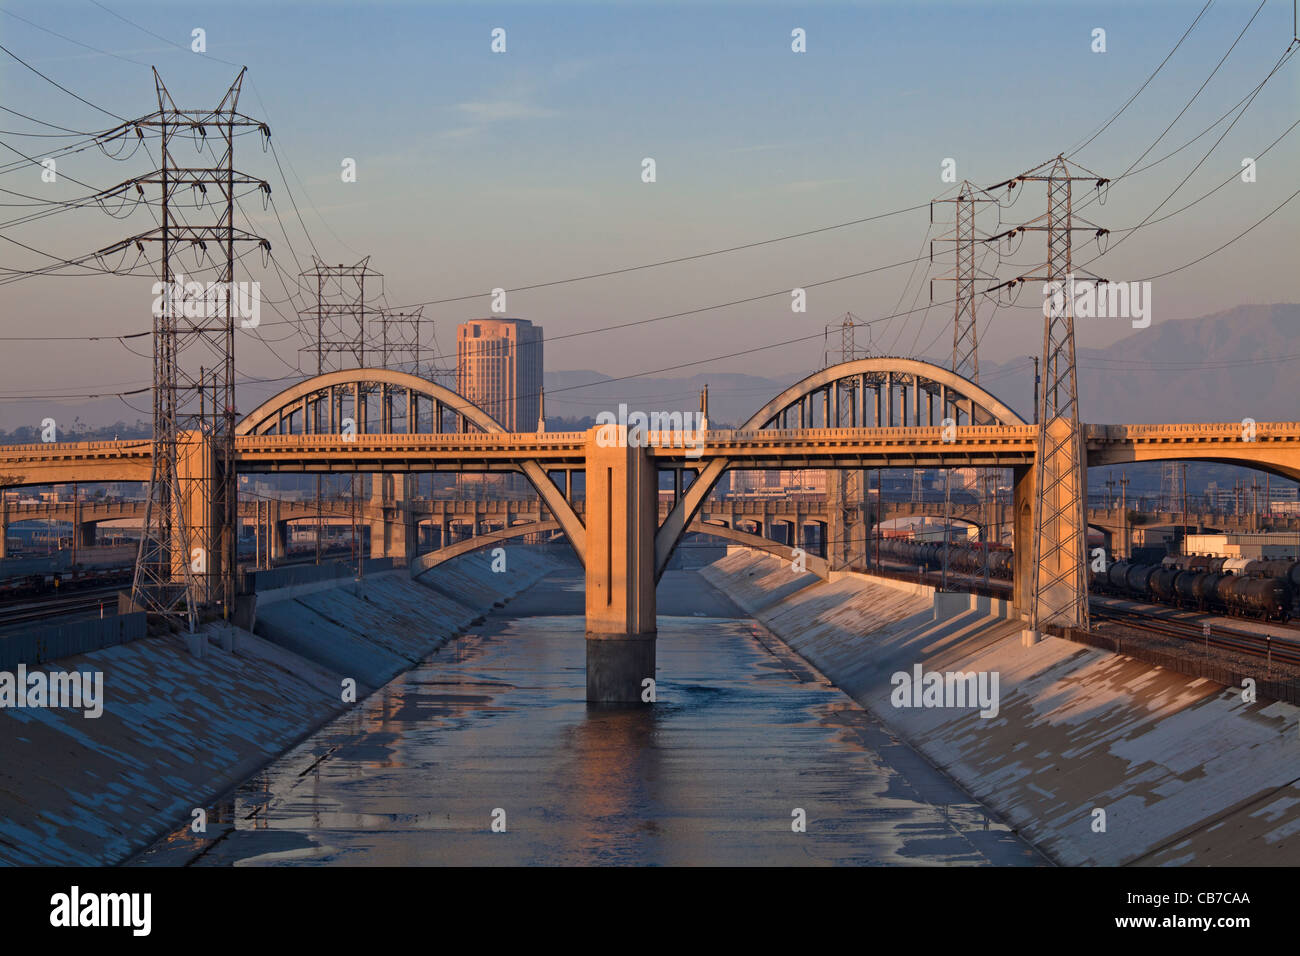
point(486, 753)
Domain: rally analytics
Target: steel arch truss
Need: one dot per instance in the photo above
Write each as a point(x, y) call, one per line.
point(385, 398)
point(881, 392)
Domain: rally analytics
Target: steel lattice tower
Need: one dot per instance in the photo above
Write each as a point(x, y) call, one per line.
point(1060, 588)
point(847, 488)
point(965, 344)
point(179, 568)
point(340, 313)
point(965, 340)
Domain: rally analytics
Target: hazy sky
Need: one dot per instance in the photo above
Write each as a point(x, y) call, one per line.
point(477, 170)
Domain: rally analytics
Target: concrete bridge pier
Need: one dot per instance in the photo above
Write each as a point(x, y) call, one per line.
point(393, 533)
point(196, 512)
point(858, 541)
point(622, 517)
point(1022, 530)
point(277, 531)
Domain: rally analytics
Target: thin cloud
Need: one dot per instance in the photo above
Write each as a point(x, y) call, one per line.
point(496, 111)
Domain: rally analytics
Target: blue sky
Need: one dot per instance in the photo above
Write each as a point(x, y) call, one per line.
point(478, 170)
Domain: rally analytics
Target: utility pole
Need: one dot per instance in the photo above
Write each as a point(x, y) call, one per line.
point(1059, 566)
point(1035, 360)
point(988, 521)
point(1185, 526)
point(880, 512)
point(1123, 505)
point(947, 534)
point(76, 525)
point(178, 569)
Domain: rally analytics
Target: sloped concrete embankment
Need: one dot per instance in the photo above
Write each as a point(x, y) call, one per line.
point(1185, 771)
point(179, 730)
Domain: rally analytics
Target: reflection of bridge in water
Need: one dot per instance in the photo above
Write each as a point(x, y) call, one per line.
point(864, 414)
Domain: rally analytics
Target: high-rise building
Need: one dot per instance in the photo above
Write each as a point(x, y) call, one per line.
point(499, 369)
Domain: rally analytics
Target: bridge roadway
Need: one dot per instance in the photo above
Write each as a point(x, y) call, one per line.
point(868, 413)
point(1275, 449)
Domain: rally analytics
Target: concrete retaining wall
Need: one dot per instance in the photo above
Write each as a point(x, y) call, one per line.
point(178, 730)
point(1185, 771)
point(49, 642)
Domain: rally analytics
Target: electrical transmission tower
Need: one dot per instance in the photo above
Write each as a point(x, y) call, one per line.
point(1059, 567)
point(186, 558)
point(340, 314)
point(847, 489)
point(965, 344)
point(1168, 486)
point(399, 340)
point(965, 340)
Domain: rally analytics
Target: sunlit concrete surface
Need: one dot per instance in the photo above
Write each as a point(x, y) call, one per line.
point(743, 734)
point(1184, 769)
point(177, 730)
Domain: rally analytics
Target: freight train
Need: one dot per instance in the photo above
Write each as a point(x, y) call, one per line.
point(60, 582)
point(962, 558)
point(1237, 588)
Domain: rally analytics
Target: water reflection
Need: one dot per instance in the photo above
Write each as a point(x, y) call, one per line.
point(743, 734)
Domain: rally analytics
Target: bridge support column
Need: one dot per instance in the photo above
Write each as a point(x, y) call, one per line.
point(196, 472)
point(621, 520)
point(858, 543)
point(392, 533)
point(85, 532)
point(4, 526)
point(276, 531)
point(1022, 538)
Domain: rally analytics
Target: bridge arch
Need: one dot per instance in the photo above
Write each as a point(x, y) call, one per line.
point(836, 397)
point(814, 563)
point(323, 398)
point(889, 379)
point(427, 562)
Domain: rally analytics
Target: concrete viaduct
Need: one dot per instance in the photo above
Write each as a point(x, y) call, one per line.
point(436, 523)
point(864, 414)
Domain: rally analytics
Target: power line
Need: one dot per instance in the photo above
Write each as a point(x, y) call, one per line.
point(1114, 116)
point(1203, 85)
point(53, 82)
point(679, 259)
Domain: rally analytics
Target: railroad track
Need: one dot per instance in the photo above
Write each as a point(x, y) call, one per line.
point(1280, 649)
point(57, 607)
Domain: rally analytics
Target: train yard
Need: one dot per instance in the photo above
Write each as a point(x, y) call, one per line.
point(1245, 614)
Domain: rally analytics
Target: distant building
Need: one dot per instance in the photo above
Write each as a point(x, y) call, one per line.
point(1252, 545)
point(806, 480)
point(499, 369)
